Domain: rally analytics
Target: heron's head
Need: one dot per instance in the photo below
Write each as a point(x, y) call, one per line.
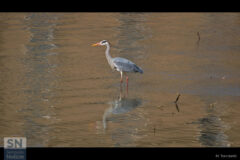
point(102, 43)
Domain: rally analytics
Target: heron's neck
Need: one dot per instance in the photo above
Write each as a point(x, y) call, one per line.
point(108, 53)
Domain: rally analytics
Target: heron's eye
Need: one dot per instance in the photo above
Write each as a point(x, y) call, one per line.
point(104, 41)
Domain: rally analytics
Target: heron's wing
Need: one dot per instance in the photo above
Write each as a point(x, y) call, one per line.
point(125, 65)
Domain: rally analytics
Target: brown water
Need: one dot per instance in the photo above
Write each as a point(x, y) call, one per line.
point(57, 90)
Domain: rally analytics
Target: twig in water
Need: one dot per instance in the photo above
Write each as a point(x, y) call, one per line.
point(177, 98)
point(198, 36)
point(177, 107)
point(176, 102)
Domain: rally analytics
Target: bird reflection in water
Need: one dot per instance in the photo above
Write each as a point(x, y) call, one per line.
point(121, 105)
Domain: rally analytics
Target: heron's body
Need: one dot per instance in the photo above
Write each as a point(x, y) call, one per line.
point(124, 65)
point(120, 64)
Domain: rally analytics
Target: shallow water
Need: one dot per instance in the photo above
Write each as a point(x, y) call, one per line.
point(57, 90)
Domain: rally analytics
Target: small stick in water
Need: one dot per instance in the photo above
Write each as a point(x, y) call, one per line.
point(198, 36)
point(177, 98)
point(177, 107)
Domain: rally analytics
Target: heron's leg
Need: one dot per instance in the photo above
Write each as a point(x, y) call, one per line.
point(126, 82)
point(121, 76)
point(126, 77)
point(120, 96)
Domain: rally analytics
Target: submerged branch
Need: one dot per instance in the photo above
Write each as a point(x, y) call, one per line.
point(176, 102)
point(198, 36)
point(177, 98)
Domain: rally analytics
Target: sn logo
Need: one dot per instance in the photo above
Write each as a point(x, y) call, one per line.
point(15, 142)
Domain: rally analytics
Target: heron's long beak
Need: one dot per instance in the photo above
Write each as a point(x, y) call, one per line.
point(96, 44)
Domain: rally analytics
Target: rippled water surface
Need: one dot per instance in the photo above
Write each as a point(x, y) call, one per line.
point(59, 91)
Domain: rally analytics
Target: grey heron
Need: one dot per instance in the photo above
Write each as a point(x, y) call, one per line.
point(122, 65)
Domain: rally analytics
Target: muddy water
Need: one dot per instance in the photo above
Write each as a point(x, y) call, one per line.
point(57, 90)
